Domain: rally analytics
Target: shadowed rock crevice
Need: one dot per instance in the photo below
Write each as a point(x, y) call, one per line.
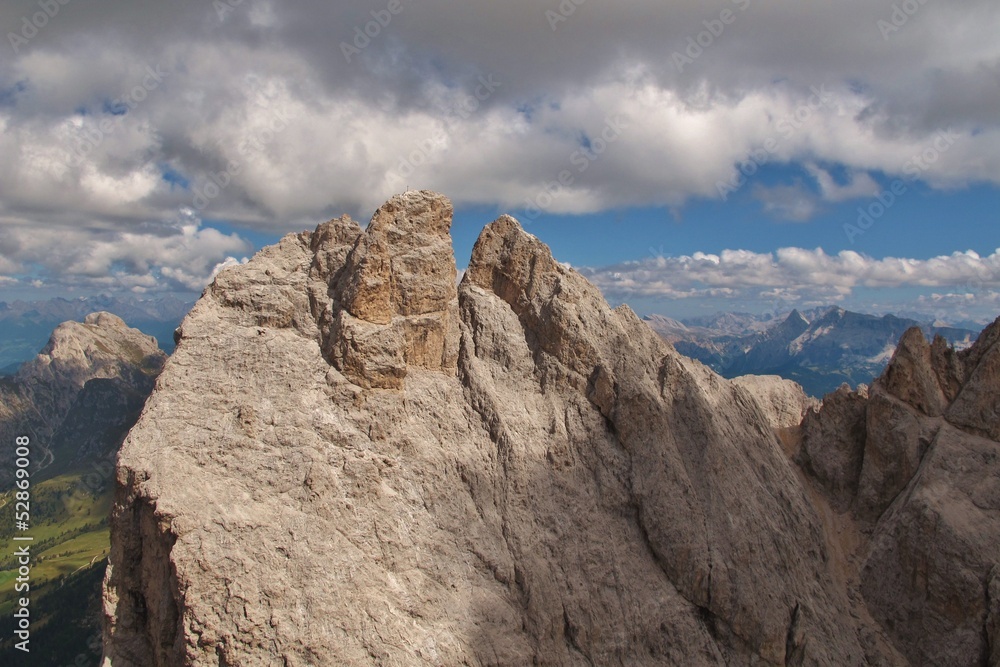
point(144, 589)
point(832, 444)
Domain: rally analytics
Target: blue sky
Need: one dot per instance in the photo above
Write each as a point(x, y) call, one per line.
point(691, 157)
point(921, 224)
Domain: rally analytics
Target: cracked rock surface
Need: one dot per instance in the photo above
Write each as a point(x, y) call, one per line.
point(351, 460)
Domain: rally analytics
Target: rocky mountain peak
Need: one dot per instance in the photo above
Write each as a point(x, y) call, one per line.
point(348, 460)
point(51, 393)
point(330, 244)
point(936, 380)
point(911, 377)
point(403, 264)
point(986, 342)
point(100, 346)
point(511, 263)
point(794, 325)
point(973, 377)
point(394, 304)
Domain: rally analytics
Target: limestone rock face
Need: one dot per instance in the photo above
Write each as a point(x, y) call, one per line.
point(783, 401)
point(976, 408)
point(833, 441)
point(91, 376)
point(917, 462)
point(929, 576)
point(395, 300)
point(102, 346)
point(912, 378)
point(350, 461)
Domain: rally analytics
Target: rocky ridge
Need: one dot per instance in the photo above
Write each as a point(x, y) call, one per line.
point(348, 460)
point(98, 371)
point(25, 326)
point(916, 460)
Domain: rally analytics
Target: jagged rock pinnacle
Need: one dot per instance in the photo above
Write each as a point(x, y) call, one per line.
point(397, 295)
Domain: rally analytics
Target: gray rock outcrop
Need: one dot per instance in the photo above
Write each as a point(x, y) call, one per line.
point(350, 460)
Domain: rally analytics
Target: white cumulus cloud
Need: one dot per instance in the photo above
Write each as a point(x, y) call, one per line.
point(791, 274)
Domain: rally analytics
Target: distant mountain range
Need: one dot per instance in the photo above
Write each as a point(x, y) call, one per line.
point(25, 325)
point(820, 349)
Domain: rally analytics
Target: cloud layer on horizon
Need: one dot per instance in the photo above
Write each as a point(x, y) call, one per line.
point(125, 119)
point(798, 277)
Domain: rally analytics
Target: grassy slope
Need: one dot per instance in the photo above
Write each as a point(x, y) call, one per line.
point(69, 552)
